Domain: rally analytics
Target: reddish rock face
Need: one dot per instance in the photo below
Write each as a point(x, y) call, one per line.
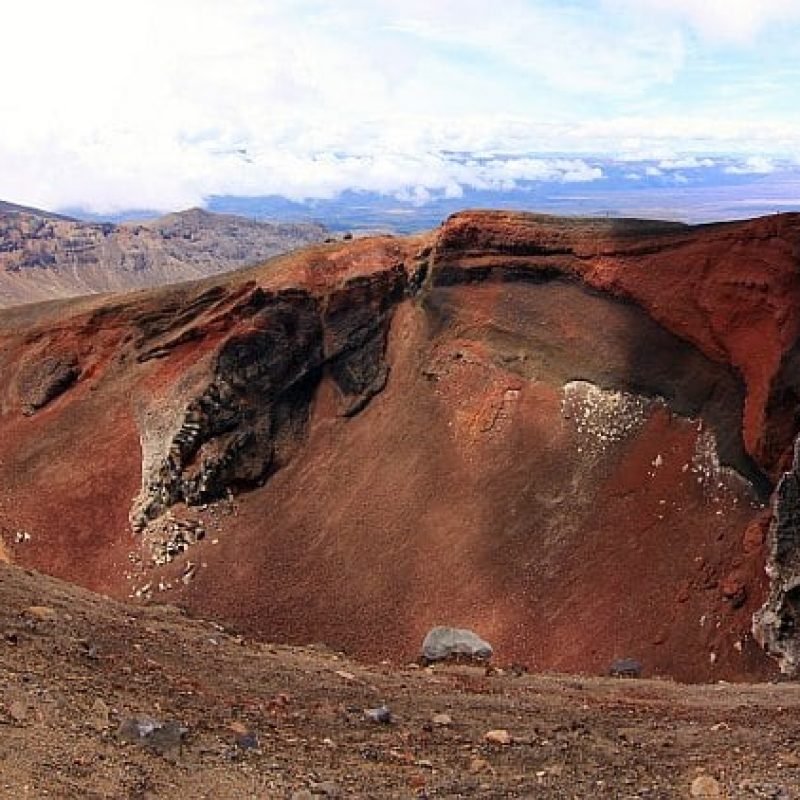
point(561, 434)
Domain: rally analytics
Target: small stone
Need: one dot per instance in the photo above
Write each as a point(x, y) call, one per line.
point(442, 720)
point(100, 715)
point(625, 668)
point(325, 789)
point(40, 613)
point(344, 675)
point(478, 765)
point(704, 786)
point(89, 650)
point(188, 574)
point(381, 715)
point(244, 737)
point(18, 710)
point(499, 736)
point(134, 729)
point(165, 738)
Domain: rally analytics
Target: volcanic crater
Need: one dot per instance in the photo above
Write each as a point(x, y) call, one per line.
point(574, 436)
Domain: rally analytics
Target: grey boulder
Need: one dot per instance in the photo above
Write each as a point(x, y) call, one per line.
point(443, 643)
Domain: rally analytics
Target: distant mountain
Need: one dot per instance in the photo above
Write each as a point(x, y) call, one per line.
point(45, 256)
point(6, 208)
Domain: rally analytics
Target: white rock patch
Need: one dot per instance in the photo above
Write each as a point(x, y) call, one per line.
point(602, 417)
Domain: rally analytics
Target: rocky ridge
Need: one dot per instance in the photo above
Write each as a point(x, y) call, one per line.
point(46, 256)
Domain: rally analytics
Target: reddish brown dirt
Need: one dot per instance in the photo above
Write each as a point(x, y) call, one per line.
point(74, 666)
point(732, 289)
point(466, 492)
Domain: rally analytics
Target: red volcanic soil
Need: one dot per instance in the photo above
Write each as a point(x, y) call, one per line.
point(561, 433)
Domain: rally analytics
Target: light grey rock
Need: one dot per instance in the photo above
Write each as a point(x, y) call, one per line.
point(382, 714)
point(165, 738)
point(443, 643)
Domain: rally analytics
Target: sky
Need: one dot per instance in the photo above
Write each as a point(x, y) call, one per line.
point(161, 104)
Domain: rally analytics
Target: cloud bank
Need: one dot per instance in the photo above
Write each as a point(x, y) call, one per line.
point(162, 104)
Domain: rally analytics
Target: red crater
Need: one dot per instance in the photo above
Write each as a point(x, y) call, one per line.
point(564, 434)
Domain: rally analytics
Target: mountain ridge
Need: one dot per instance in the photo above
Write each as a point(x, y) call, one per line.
point(44, 256)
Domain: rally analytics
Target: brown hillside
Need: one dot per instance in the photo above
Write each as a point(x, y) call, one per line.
point(45, 256)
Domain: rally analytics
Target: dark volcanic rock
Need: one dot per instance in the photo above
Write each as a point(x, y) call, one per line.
point(41, 381)
point(248, 422)
point(777, 624)
point(625, 668)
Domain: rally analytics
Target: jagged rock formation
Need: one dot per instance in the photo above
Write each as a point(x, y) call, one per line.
point(45, 378)
point(775, 625)
point(562, 433)
point(45, 256)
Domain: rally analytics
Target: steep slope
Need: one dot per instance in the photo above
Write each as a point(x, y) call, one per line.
point(45, 256)
point(562, 433)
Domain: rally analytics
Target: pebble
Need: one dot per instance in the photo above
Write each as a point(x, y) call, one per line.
point(18, 710)
point(478, 765)
point(382, 715)
point(499, 736)
point(244, 738)
point(165, 738)
point(100, 715)
point(325, 789)
point(40, 612)
point(442, 720)
point(704, 786)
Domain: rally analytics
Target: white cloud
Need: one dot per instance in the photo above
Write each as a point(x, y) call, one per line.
point(686, 162)
point(570, 49)
point(162, 103)
point(721, 21)
point(754, 165)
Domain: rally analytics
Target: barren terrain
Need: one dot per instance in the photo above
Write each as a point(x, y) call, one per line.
point(246, 719)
